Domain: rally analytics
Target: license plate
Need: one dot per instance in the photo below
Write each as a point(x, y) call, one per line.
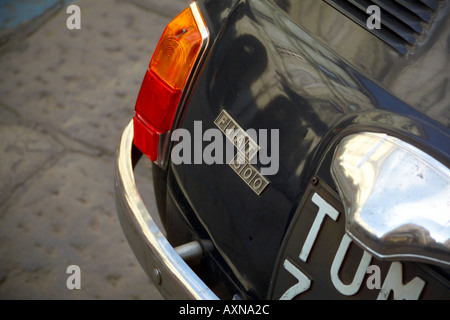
point(320, 261)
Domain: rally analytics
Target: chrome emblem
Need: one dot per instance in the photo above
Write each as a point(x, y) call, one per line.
point(247, 149)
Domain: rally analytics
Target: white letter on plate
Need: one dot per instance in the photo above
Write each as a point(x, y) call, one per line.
point(324, 209)
point(394, 283)
point(303, 282)
point(352, 288)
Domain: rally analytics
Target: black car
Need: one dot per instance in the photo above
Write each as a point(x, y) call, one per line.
point(300, 150)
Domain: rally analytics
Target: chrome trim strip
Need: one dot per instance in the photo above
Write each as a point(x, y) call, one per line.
point(165, 144)
point(396, 198)
point(173, 277)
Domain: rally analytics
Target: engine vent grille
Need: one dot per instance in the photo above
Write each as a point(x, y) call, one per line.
point(403, 22)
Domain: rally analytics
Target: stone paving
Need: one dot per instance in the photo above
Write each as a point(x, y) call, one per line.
point(65, 96)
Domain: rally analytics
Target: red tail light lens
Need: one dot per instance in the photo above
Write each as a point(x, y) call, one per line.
point(157, 102)
point(167, 75)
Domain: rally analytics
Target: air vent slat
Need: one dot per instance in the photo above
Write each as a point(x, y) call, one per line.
point(432, 4)
point(357, 12)
point(403, 22)
point(401, 14)
point(417, 8)
point(389, 21)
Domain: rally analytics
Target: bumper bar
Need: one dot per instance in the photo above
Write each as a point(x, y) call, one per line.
point(170, 273)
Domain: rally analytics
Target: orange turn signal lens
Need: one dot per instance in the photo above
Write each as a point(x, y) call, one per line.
point(177, 50)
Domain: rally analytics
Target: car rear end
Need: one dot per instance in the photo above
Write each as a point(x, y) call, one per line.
point(262, 139)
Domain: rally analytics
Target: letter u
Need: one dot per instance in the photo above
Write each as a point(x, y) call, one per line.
point(352, 288)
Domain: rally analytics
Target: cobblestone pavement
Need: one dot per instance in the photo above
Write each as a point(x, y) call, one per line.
point(65, 96)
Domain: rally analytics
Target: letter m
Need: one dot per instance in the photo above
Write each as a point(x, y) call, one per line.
point(394, 283)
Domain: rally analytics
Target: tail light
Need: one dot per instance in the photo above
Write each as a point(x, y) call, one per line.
point(167, 80)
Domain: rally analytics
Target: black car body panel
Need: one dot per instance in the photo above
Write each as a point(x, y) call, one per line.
point(306, 69)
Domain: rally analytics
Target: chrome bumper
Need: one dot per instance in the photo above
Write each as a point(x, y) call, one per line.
point(170, 273)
